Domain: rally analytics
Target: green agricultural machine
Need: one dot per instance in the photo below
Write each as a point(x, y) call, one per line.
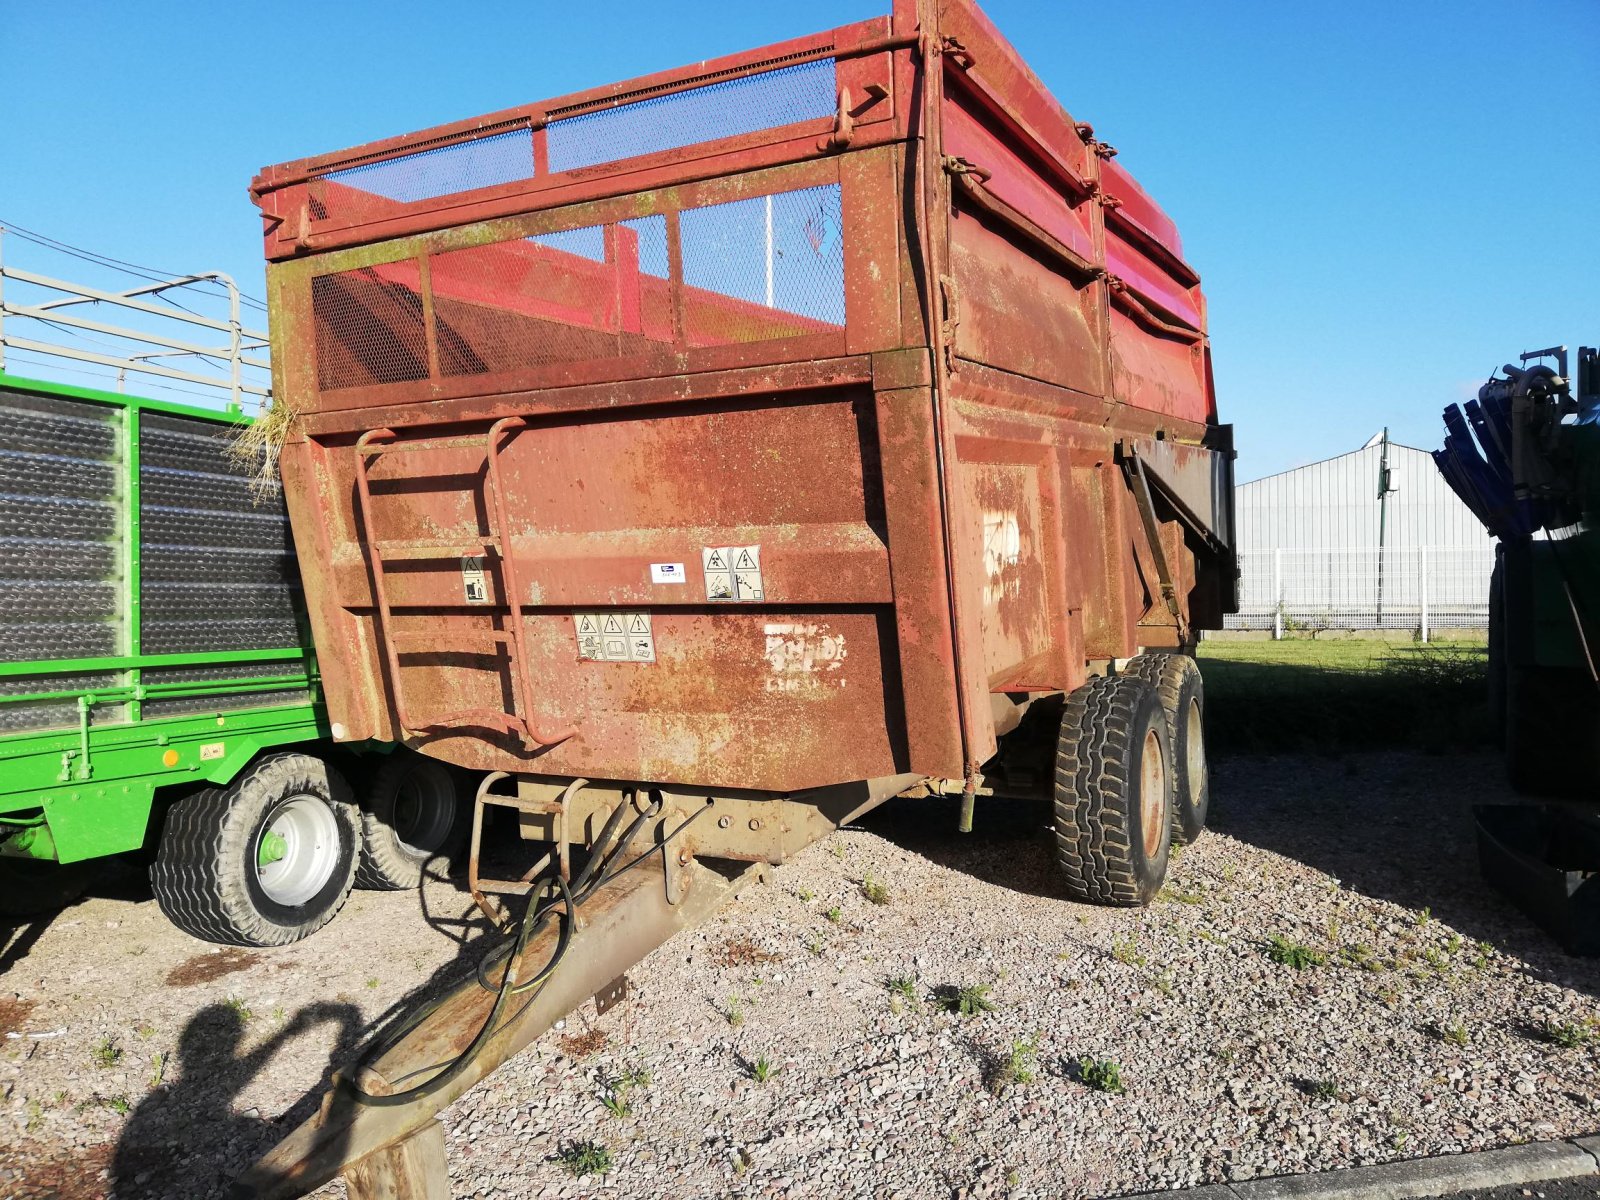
point(1525, 457)
point(158, 691)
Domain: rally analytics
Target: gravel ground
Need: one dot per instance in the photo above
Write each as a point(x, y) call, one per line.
point(1406, 1031)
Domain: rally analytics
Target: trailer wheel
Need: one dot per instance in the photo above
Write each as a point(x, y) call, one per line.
point(1176, 678)
point(264, 862)
point(411, 814)
point(1113, 793)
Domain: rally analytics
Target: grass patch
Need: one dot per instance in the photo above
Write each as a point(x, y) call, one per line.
point(106, 1055)
point(763, 1069)
point(1016, 1069)
point(1321, 697)
point(1565, 1035)
point(968, 1000)
point(873, 891)
point(1288, 953)
point(1099, 1074)
point(584, 1158)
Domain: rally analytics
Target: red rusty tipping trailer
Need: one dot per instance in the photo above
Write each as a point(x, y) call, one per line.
point(762, 435)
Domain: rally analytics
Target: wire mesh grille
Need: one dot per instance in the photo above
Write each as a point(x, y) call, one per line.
point(718, 110)
point(201, 525)
point(369, 326)
point(579, 295)
point(763, 268)
point(60, 585)
point(428, 174)
point(52, 714)
point(223, 701)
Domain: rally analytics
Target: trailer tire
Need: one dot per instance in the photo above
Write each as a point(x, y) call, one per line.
point(1113, 792)
point(1176, 678)
point(217, 873)
point(411, 815)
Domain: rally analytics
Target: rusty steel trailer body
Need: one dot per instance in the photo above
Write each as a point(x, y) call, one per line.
point(755, 438)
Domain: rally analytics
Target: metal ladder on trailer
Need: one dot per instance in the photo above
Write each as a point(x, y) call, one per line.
point(510, 642)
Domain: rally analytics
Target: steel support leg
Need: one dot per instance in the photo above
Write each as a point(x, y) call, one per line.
point(413, 1169)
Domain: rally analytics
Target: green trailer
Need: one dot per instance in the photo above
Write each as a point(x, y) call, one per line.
point(158, 690)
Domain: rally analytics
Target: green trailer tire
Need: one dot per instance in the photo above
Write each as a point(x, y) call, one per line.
point(411, 816)
point(1113, 793)
point(1176, 679)
point(264, 862)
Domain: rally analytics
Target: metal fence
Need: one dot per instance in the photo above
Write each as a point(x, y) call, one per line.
point(1419, 589)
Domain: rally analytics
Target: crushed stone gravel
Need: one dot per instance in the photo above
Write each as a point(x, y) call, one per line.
point(1418, 1020)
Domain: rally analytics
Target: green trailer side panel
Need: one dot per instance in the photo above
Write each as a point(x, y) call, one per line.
point(151, 634)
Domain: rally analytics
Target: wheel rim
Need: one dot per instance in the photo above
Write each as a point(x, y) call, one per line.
point(421, 820)
point(1152, 793)
point(1194, 753)
point(297, 850)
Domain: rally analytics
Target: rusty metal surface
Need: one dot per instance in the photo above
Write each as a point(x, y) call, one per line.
point(622, 923)
point(888, 345)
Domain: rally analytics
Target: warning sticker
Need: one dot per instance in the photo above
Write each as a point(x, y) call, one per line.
point(472, 581)
point(732, 572)
point(615, 636)
point(212, 751)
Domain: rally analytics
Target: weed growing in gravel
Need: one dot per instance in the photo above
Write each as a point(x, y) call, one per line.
point(1177, 895)
point(584, 1158)
point(1163, 984)
point(833, 914)
point(1568, 1035)
point(873, 891)
point(118, 1105)
point(1358, 956)
point(1452, 1033)
point(240, 1008)
point(763, 1069)
point(1101, 1074)
point(836, 849)
point(734, 1012)
point(158, 1070)
point(145, 1030)
point(805, 895)
point(1016, 1068)
point(1321, 1089)
point(279, 1016)
point(1126, 951)
point(35, 1115)
point(968, 1000)
point(617, 1104)
point(372, 982)
point(1287, 953)
point(815, 944)
point(106, 1054)
point(1423, 917)
point(902, 988)
point(633, 1077)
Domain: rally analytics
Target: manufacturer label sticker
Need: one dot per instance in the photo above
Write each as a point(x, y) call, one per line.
point(212, 751)
point(615, 637)
point(472, 581)
point(732, 572)
point(668, 573)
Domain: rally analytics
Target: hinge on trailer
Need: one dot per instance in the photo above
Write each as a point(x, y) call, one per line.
point(961, 166)
point(957, 53)
point(844, 126)
point(1085, 131)
point(951, 296)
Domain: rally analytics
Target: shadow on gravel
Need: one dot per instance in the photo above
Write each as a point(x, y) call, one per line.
point(1395, 827)
point(185, 1138)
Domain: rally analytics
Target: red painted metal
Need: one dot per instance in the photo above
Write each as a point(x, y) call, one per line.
point(870, 304)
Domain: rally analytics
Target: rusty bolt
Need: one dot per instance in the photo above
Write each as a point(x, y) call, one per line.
point(683, 858)
point(724, 822)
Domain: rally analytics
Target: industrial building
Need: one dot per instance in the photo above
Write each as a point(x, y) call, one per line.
point(1372, 539)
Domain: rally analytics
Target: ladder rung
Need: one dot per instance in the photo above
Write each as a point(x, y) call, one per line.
point(414, 548)
point(454, 639)
point(445, 443)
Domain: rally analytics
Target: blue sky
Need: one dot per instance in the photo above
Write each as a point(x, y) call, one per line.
point(1385, 200)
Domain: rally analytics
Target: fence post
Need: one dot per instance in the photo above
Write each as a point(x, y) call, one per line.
point(1422, 587)
point(1277, 595)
